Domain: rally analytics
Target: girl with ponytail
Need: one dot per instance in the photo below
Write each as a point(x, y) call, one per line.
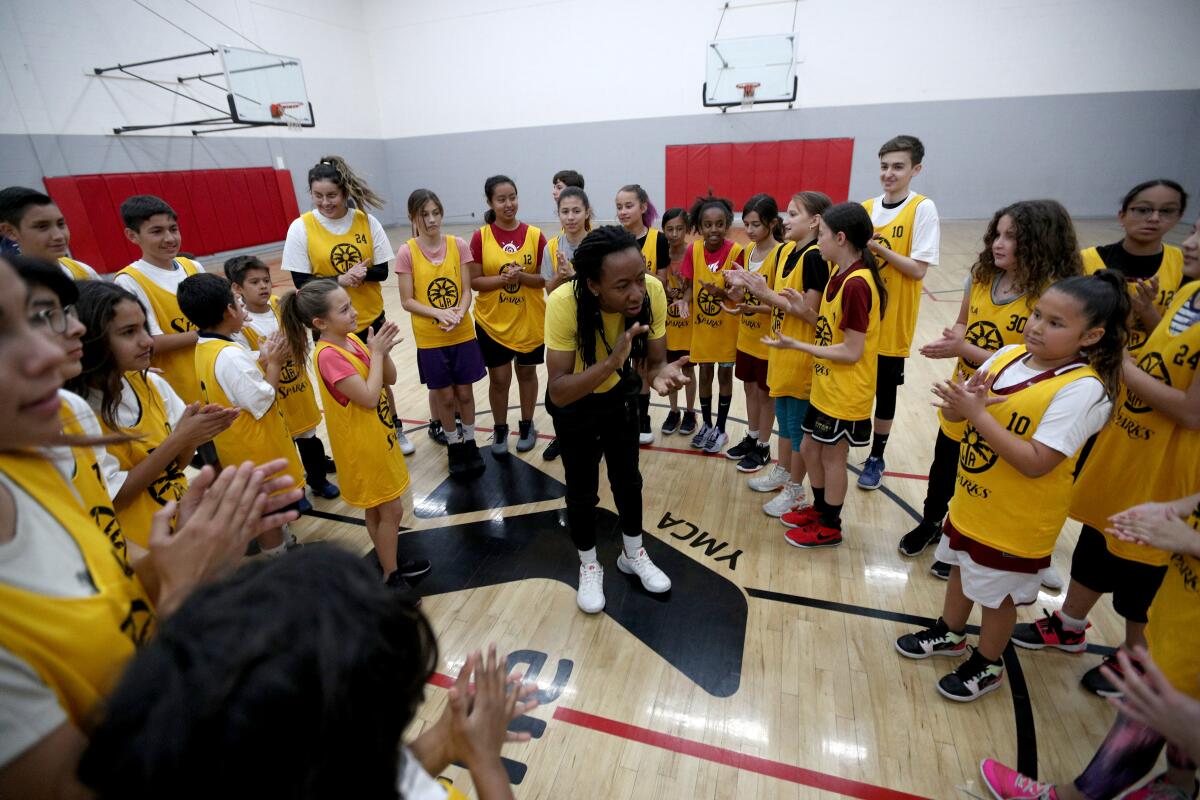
point(1028, 409)
point(609, 314)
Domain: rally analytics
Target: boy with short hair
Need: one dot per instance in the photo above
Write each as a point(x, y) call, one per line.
point(229, 375)
point(34, 223)
point(907, 242)
point(562, 179)
point(251, 281)
point(153, 226)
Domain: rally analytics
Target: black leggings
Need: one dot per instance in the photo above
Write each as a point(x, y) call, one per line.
point(942, 474)
point(595, 426)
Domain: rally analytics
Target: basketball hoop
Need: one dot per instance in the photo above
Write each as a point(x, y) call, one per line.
point(747, 93)
point(282, 111)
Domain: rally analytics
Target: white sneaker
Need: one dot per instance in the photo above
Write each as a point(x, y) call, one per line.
point(716, 440)
point(406, 446)
point(772, 480)
point(590, 597)
point(1051, 578)
point(788, 499)
point(653, 579)
point(646, 437)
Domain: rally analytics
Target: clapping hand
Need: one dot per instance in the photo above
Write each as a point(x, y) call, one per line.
point(671, 377)
point(947, 346)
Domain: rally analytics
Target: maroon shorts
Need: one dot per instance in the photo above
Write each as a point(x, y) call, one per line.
point(988, 556)
point(749, 369)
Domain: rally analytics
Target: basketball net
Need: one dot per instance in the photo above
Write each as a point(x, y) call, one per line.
point(283, 111)
point(748, 93)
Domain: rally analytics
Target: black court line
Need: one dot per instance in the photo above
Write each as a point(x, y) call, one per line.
point(332, 517)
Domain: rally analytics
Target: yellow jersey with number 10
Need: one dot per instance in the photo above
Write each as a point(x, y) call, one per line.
point(904, 293)
point(331, 255)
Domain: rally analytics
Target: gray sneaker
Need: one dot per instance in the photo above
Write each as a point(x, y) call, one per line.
point(528, 437)
point(406, 446)
point(701, 435)
point(716, 440)
point(500, 441)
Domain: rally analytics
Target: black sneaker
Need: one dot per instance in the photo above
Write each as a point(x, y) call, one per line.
point(329, 465)
point(403, 589)
point(973, 678)
point(437, 432)
point(413, 568)
point(940, 569)
point(552, 450)
point(687, 424)
point(920, 537)
point(936, 641)
point(671, 423)
point(456, 459)
point(1049, 631)
point(756, 459)
point(742, 449)
point(471, 457)
point(1094, 681)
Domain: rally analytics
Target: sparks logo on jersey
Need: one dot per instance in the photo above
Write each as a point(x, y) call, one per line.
point(1152, 364)
point(106, 521)
point(707, 302)
point(883, 240)
point(776, 320)
point(166, 486)
point(182, 325)
point(824, 334)
point(138, 622)
point(673, 311)
point(343, 256)
point(975, 455)
point(383, 409)
point(288, 372)
point(1137, 338)
point(442, 293)
point(984, 335)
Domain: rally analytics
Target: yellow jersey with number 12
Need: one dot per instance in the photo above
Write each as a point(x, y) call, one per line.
point(904, 293)
point(514, 319)
point(1170, 278)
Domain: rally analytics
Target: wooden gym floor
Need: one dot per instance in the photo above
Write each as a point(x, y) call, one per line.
point(768, 672)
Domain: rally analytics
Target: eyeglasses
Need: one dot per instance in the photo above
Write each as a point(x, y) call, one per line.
point(56, 319)
point(1145, 212)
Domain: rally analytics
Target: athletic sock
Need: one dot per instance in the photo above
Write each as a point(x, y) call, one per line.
point(878, 444)
point(468, 432)
point(1072, 624)
point(588, 556)
point(831, 517)
point(275, 552)
point(818, 498)
point(631, 543)
point(723, 403)
point(644, 406)
point(706, 409)
point(753, 435)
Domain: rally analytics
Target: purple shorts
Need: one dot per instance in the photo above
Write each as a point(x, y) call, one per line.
point(452, 365)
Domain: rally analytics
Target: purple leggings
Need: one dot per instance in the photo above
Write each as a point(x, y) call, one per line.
point(1125, 756)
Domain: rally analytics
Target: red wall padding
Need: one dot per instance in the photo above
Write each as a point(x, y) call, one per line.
point(218, 209)
point(741, 169)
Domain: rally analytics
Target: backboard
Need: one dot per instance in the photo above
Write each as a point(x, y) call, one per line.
point(768, 61)
point(257, 81)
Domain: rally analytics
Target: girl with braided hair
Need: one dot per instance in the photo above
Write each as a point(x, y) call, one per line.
point(597, 323)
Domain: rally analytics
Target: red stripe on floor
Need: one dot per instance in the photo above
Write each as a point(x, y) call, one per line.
point(930, 295)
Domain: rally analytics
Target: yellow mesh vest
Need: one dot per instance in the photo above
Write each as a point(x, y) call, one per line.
point(513, 319)
point(752, 327)
point(714, 332)
point(1167, 456)
point(846, 391)
point(151, 429)
point(438, 286)
point(1170, 278)
point(790, 372)
point(178, 366)
point(904, 293)
point(79, 645)
point(90, 486)
point(650, 250)
point(296, 397)
point(1174, 629)
point(371, 468)
point(989, 326)
point(331, 255)
point(247, 439)
point(995, 504)
point(77, 271)
point(679, 329)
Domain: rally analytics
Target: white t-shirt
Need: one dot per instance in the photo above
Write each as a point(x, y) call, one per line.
point(41, 557)
point(91, 273)
point(926, 236)
point(242, 381)
point(295, 249)
point(64, 457)
point(413, 782)
point(1078, 411)
point(168, 279)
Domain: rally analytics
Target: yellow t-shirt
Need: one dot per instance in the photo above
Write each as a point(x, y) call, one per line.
point(562, 328)
point(904, 293)
point(1174, 629)
point(1170, 278)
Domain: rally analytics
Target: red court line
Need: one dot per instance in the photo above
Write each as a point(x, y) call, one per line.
point(731, 758)
point(930, 294)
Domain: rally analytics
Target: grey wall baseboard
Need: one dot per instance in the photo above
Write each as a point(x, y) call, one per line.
point(1084, 150)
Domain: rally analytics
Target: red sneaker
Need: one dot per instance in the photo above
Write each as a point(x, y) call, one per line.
point(805, 515)
point(813, 535)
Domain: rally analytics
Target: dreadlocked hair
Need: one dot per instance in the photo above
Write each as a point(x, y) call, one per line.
point(298, 309)
point(589, 266)
point(1106, 304)
point(854, 221)
point(335, 170)
point(1047, 250)
point(704, 202)
point(96, 307)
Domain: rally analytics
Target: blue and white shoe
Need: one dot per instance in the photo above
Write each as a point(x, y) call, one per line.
point(872, 474)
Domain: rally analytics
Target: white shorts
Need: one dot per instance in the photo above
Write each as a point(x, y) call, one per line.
point(988, 586)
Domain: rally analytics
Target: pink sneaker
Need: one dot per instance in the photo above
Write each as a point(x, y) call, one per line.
point(1008, 784)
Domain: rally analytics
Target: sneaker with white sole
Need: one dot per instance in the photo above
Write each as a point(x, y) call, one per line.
point(1051, 578)
point(742, 449)
point(701, 435)
point(937, 640)
point(788, 499)
point(653, 579)
point(1005, 783)
point(590, 596)
point(772, 480)
point(715, 440)
point(972, 679)
point(406, 446)
point(528, 436)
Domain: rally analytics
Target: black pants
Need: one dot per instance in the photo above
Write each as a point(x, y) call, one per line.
point(594, 426)
point(942, 474)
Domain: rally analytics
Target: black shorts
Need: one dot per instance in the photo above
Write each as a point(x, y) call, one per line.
point(497, 355)
point(828, 430)
point(1131, 583)
point(890, 370)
